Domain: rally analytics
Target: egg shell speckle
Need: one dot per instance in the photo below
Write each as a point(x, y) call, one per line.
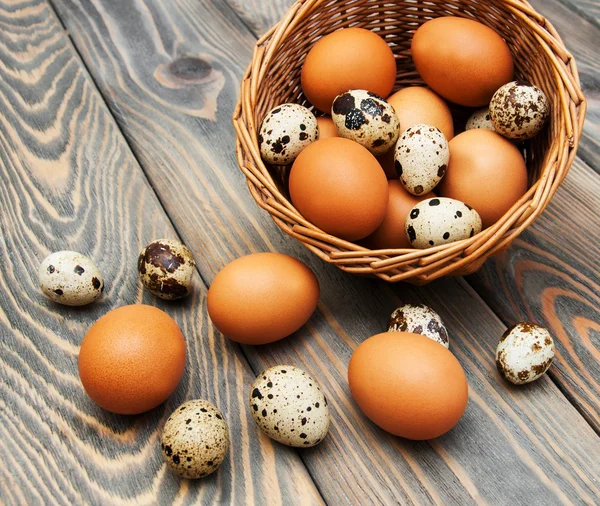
point(285, 131)
point(519, 111)
point(441, 220)
point(421, 158)
point(366, 118)
point(289, 407)
point(524, 353)
point(166, 268)
point(480, 119)
point(419, 319)
point(195, 439)
point(70, 278)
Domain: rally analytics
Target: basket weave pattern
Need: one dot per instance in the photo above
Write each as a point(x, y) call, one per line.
point(273, 78)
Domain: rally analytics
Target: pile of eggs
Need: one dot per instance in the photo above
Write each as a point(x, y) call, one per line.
point(439, 188)
point(386, 170)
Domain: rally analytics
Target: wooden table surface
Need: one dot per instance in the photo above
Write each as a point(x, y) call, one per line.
point(114, 130)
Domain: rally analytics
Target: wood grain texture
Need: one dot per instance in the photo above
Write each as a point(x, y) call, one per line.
point(69, 181)
point(260, 15)
point(588, 9)
point(513, 445)
point(551, 275)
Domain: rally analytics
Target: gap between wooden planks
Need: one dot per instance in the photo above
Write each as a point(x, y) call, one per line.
point(69, 180)
point(181, 134)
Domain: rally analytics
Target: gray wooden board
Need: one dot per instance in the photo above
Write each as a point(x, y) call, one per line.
point(69, 181)
point(513, 445)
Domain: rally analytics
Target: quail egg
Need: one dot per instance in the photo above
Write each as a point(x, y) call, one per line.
point(286, 130)
point(166, 268)
point(366, 118)
point(195, 439)
point(419, 319)
point(421, 158)
point(289, 407)
point(480, 119)
point(70, 278)
point(524, 353)
point(519, 111)
point(441, 220)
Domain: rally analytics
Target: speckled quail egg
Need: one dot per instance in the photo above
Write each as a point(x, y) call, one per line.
point(366, 118)
point(285, 131)
point(70, 278)
point(441, 220)
point(419, 319)
point(166, 268)
point(421, 158)
point(480, 119)
point(519, 111)
point(195, 439)
point(524, 353)
point(289, 407)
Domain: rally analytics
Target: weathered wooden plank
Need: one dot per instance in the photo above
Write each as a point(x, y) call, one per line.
point(259, 15)
point(69, 180)
point(551, 275)
point(513, 445)
point(588, 9)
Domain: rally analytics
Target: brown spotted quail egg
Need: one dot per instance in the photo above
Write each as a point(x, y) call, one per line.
point(480, 119)
point(366, 118)
point(289, 407)
point(166, 268)
point(421, 158)
point(195, 439)
point(524, 353)
point(70, 278)
point(441, 220)
point(519, 111)
point(419, 319)
point(286, 130)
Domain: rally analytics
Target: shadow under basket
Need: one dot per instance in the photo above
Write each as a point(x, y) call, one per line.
point(273, 78)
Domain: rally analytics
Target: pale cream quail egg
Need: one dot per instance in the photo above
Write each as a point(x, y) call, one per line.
point(421, 157)
point(289, 407)
point(70, 278)
point(480, 119)
point(441, 220)
point(524, 353)
point(519, 111)
point(419, 319)
point(285, 131)
point(366, 118)
point(195, 439)
point(166, 268)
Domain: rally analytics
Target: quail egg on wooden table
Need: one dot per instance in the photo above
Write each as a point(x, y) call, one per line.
point(437, 221)
point(421, 158)
point(419, 319)
point(524, 353)
point(70, 278)
point(519, 111)
point(289, 406)
point(366, 118)
point(166, 268)
point(285, 131)
point(195, 439)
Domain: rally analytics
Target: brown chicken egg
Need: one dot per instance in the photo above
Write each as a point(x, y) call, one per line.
point(486, 171)
point(326, 127)
point(261, 298)
point(348, 59)
point(390, 234)
point(132, 359)
point(408, 384)
point(338, 186)
point(462, 60)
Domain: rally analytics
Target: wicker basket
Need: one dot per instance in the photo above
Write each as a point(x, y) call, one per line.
point(273, 77)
